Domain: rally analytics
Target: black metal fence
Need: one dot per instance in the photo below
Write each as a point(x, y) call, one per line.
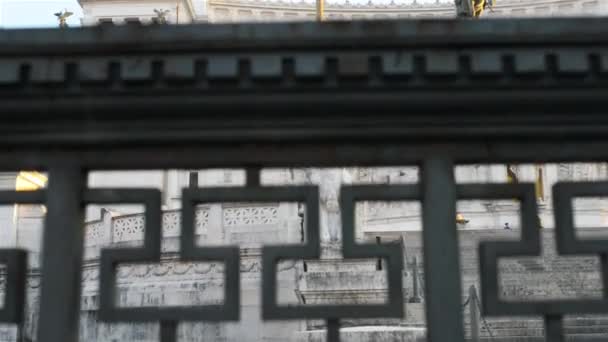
point(427, 93)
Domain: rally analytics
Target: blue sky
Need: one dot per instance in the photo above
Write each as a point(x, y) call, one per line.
point(36, 13)
point(39, 13)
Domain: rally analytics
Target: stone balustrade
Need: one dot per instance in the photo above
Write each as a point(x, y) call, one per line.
point(282, 10)
point(231, 224)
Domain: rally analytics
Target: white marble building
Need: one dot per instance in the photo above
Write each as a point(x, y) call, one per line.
point(217, 11)
point(121, 11)
point(330, 280)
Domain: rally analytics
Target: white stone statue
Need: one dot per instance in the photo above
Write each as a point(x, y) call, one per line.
point(329, 182)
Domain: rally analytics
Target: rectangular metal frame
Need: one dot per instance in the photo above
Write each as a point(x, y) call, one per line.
point(428, 93)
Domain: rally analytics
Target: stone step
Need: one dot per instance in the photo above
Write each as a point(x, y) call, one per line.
point(587, 338)
point(577, 338)
point(527, 332)
point(540, 325)
point(539, 332)
point(537, 323)
point(598, 329)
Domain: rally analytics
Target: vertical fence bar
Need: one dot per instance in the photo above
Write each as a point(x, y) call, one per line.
point(554, 331)
point(168, 331)
point(62, 254)
point(474, 313)
point(333, 330)
point(441, 265)
point(253, 176)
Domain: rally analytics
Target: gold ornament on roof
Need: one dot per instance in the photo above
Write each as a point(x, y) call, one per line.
point(320, 10)
point(479, 6)
point(63, 16)
point(460, 219)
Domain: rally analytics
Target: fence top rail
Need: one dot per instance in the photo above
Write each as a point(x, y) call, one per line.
point(357, 34)
point(433, 82)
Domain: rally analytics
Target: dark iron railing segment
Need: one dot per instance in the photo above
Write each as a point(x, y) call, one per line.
point(428, 93)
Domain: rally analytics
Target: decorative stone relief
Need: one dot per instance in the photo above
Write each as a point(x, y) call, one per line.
point(201, 220)
point(90, 274)
point(565, 171)
point(174, 268)
point(249, 216)
point(128, 228)
point(203, 268)
point(251, 267)
point(95, 233)
point(171, 223)
point(131, 228)
point(581, 171)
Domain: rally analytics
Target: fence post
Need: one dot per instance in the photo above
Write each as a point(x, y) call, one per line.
point(474, 313)
point(62, 253)
point(443, 296)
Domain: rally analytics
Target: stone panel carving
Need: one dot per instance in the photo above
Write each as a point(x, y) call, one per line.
point(173, 268)
point(581, 171)
point(128, 228)
point(171, 223)
point(249, 216)
point(201, 220)
point(131, 228)
point(95, 233)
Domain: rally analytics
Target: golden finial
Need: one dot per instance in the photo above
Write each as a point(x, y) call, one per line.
point(62, 16)
point(460, 219)
point(320, 10)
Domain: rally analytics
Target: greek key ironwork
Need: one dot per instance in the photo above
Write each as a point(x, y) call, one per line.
point(311, 250)
point(433, 94)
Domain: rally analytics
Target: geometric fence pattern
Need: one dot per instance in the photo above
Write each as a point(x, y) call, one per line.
point(489, 253)
point(432, 94)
